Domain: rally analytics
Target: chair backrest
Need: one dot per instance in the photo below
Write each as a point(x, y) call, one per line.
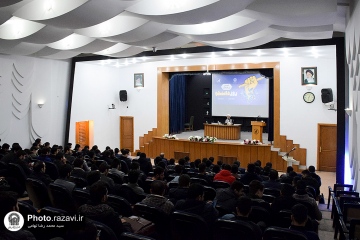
point(258, 214)
point(220, 184)
point(347, 199)
point(274, 233)
point(129, 194)
point(17, 172)
point(106, 232)
point(354, 230)
point(342, 187)
point(37, 192)
point(199, 180)
point(49, 233)
point(268, 198)
point(117, 179)
point(26, 208)
point(51, 170)
point(311, 210)
point(284, 218)
point(311, 191)
point(233, 229)
point(134, 236)
point(120, 205)
point(187, 226)
point(351, 211)
point(80, 196)
point(272, 191)
point(342, 193)
point(61, 198)
point(79, 181)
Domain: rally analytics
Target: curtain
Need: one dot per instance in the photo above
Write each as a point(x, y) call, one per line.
point(177, 103)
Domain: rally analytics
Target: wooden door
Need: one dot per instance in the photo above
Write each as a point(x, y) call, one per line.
point(127, 133)
point(84, 133)
point(327, 147)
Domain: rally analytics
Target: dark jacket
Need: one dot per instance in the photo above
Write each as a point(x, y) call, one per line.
point(176, 194)
point(226, 199)
point(145, 165)
point(281, 203)
point(248, 177)
point(309, 234)
point(42, 177)
point(200, 208)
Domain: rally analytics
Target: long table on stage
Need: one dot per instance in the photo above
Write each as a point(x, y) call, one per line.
point(229, 132)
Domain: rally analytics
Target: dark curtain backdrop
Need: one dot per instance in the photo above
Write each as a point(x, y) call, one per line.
point(177, 103)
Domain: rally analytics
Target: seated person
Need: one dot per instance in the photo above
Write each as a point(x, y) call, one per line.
point(273, 180)
point(256, 191)
point(227, 197)
point(299, 217)
point(116, 168)
point(91, 178)
point(176, 194)
point(9, 203)
point(81, 230)
point(302, 197)
point(156, 197)
point(60, 160)
point(20, 160)
point(133, 177)
point(225, 175)
point(39, 173)
point(99, 211)
point(250, 175)
point(195, 204)
point(202, 173)
point(228, 120)
point(78, 170)
point(285, 200)
point(310, 181)
point(104, 170)
point(314, 175)
point(243, 210)
point(159, 174)
point(64, 174)
point(145, 164)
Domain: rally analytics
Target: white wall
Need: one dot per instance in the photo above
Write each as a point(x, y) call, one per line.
point(352, 56)
point(24, 81)
point(96, 87)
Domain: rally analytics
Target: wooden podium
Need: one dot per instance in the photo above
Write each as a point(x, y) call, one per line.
point(257, 130)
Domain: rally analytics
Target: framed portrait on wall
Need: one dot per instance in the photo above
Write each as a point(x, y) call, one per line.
point(309, 75)
point(138, 80)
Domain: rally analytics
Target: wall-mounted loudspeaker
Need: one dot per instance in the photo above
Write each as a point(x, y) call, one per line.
point(326, 95)
point(123, 95)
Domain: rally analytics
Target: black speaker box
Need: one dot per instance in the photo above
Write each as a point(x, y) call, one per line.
point(123, 95)
point(326, 95)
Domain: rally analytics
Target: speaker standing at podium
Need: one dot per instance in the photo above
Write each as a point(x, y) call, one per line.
point(228, 120)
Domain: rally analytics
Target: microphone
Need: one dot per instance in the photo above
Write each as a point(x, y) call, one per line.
point(257, 117)
point(287, 154)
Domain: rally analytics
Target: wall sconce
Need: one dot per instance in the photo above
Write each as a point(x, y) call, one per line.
point(348, 111)
point(112, 106)
point(40, 105)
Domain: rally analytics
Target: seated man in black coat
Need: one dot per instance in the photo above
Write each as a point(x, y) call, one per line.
point(99, 211)
point(20, 160)
point(285, 200)
point(78, 170)
point(299, 217)
point(250, 175)
point(227, 197)
point(273, 180)
point(243, 210)
point(39, 173)
point(176, 194)
point(63, 180)
point(195, 204)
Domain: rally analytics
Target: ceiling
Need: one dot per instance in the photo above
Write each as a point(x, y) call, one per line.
point(62, 29)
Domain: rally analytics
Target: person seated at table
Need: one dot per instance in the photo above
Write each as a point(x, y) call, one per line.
point(228, 120)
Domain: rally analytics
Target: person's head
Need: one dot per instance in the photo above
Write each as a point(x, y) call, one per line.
point(266, 171)
point(243, 206)
point(273, 175)
point(197, 162)
point(181, 162)
point(162, 155)
point(60, 156)
point(93, 177)
point(159, 173)
point(134, 165)
point(178, 169)
point(289, 169)
point(133, 176)
point(234, 169)
point(196, 192)
point(81, 230)
point(219, 163)
point(309, 73)
point(98, 192)
point(208, 163)
point(301, 187)
point(305, 173)
point(47, 144)
point(216, 169)
point(295, 180)
point(8, 203)
point(78, 162)
point(34, 149)
point(157, 160)
point(237, 163)
point(21, 154)
point(184, 181)
point(228, 116)
point(39, 166)
point(67, 149)
point(258, 163)
point(311, 169)
point(256, 188)
point(172, 161)
point(299, 215)
point(157, 187)
point(142, 155)
point(116, 164)
point(251, 168)
point(287, 190)
point(202, 167)
point(5, 147)
point(104, 167)
point(269, 164)
point(162, 164)
point(187, 159)
point(45, 151)
point(237, 188)
point(106, 154)
point(212, 159)
point(125, 152)
point(116, 150)
point(64, 171)
point(226, 167)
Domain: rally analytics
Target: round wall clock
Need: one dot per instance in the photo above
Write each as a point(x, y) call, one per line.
point(309, 97)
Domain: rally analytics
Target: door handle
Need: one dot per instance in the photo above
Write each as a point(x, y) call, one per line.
point(320, 148)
